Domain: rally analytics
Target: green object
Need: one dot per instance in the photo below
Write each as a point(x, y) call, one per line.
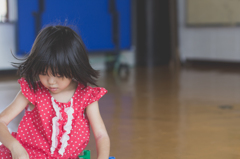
point(86, 155)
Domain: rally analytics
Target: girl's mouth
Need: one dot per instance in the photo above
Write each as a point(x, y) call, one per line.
point(52, 89)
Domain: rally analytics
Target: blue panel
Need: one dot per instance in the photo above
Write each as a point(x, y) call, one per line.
point(124, 9)
point(26, 32)
point(91, 17)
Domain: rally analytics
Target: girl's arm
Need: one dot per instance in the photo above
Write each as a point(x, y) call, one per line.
point(18, 104)
point(99, 131)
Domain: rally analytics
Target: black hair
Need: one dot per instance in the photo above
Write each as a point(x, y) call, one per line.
point(60, 49)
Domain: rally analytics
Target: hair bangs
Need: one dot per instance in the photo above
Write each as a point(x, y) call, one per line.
point(53, 62)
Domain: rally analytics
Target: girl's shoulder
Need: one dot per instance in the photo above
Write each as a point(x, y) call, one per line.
point(91, 90)
point(24, 84)
point(92, 94)
point(28, 92)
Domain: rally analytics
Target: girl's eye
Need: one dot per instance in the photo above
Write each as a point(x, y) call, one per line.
point(58, 76)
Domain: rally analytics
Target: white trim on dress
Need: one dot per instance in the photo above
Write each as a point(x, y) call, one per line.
point(55, 127)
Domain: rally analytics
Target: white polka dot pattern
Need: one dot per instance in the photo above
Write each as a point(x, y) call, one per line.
point(35, 129)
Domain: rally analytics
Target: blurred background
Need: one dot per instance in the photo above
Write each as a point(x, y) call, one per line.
point(171, 68)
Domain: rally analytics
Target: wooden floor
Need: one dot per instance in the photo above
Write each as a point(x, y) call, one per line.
point(164, 113)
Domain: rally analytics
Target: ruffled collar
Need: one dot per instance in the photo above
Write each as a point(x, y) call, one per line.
point(55, 127)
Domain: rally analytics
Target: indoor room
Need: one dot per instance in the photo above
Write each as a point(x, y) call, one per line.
point(124, 79)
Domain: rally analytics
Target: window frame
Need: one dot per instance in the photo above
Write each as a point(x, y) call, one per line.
point(6, 19)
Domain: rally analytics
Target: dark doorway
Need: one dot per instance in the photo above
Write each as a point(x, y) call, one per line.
point(155, 25)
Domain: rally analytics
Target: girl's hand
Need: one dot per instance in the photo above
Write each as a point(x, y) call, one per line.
point(19, 152)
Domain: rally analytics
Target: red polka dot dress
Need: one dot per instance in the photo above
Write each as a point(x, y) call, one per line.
point(54, 129)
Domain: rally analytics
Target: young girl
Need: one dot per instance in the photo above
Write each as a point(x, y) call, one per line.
point(59, 105)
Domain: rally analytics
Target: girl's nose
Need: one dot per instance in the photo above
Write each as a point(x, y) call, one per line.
point(51, 80)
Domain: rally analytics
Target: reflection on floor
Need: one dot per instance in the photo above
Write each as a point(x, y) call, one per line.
point(163, 113)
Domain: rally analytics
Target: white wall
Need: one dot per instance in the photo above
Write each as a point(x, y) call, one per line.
point(7, 44)
point(8, 38)
point(207, 43)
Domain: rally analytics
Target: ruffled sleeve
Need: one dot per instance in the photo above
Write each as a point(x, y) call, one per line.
point(26, 91)
point(95, 94)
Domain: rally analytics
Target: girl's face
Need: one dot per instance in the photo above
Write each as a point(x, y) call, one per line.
point(55, 84)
